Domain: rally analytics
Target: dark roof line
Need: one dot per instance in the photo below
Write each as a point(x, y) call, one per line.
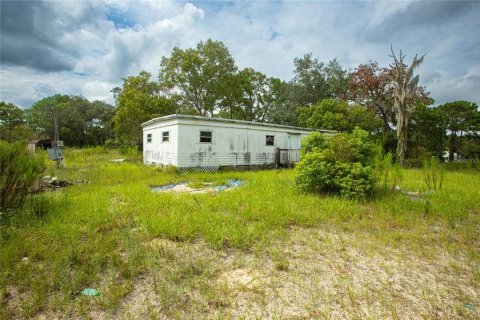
point(272, 125)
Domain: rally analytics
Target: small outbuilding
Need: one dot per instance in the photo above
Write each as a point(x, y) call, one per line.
point(42, 144)
point(207, 143)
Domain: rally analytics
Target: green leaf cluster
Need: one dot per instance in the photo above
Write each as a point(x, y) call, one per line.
point(13, 124)
point(338, 115)
point(81, 122)
point(341, 165)
point(138, 100)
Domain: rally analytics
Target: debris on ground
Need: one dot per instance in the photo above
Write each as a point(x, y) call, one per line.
point(232, 183)
point(413, 195)
point(469, 306)
point(118, 160)
point(49, 183)
point(183, 187)
point(90, 292)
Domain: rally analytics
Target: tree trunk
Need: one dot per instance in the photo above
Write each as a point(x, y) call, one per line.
point(402, 130)
point(386, 125)
point(453, 149)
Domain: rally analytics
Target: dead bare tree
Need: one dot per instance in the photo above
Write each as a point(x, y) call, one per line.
point(404, 87)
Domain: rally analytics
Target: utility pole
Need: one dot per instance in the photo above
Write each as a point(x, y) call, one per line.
point(56, 152)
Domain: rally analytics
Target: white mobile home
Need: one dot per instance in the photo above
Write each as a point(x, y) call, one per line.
point(209, 143)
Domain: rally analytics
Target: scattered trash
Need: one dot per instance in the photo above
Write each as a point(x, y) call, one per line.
point(235, 183)
point(117, 160)
point(90, 292)
point(49, 183)
point(413, 195)
point(221, 188)
point(25, 259)
point(469, 306)
point(230, 184)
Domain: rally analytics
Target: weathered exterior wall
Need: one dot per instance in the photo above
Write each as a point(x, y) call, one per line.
point(233, 144)
point(158, 152)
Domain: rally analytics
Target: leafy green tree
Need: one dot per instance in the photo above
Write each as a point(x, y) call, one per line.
point(81, 122)
point(337, 79)
point(137, 101)
point(40, 116)
point(309, 82)
point(338, 115)
point(314, 81)
point(201, 79)
point(426, 133)
point(459, 118)
point(253, 97)
point(470, 147)
point(12, 122)
point(282, 110)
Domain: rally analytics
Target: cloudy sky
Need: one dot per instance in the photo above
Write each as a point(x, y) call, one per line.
point(82, 47)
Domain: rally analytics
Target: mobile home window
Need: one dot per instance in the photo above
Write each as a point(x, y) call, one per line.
point(165, 136)
point(149, 137)
point(270, 140)
point(206, 136)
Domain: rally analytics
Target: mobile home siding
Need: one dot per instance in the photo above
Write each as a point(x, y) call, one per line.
point(157, 151)
point(232, 144)
point(224, 142)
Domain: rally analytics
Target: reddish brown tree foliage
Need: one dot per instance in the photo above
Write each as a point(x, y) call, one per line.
point(369, 86)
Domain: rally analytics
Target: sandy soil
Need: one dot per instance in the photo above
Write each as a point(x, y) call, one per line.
point(312, 274)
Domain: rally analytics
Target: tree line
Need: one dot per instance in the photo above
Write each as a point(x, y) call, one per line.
point(387, 102)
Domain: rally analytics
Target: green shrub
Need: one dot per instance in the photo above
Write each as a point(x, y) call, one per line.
point(343, 165)
point(19, 169)
point(314, 142)
point(469, 165)
point(355, 180)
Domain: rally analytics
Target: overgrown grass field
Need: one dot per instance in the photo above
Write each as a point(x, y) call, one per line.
point(174, 249)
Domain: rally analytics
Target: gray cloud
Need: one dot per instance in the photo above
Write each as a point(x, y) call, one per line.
point(47, 46)
point(32, 33)
point(418, 15)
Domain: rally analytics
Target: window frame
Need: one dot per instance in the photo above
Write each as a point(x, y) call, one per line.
point(168, 137)
point(267, 140)
point(205, 131)
point(149, 138)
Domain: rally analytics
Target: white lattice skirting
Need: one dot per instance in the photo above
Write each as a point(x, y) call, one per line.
point(199, 169)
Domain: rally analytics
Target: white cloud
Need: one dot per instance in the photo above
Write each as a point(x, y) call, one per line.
point(383, 9)
point(105, 41)
point(98, 90)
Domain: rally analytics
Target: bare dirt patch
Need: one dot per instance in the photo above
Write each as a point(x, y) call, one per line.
point(329, 275)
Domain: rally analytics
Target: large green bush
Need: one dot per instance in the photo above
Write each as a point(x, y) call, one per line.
point(19, 169)
point(343, 164)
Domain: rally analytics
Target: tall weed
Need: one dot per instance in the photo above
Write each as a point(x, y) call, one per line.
point(19, 170)
point(386, 171)
point(433, 174)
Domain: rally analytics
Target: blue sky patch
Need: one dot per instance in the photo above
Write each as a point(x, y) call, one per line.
point(120, 18)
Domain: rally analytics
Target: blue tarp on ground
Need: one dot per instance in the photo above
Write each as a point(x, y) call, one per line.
point(232, 183)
